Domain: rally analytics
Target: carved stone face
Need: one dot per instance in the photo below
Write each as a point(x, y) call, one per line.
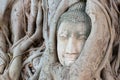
point(71, 38)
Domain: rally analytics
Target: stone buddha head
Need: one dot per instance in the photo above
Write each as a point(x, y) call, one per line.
point(73, 29)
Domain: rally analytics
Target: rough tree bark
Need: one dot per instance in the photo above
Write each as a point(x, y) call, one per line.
point(28, 41)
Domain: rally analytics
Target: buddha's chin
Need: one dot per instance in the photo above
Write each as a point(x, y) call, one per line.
point(69, 62)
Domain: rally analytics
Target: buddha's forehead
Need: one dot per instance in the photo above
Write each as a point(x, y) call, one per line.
point(72, 27)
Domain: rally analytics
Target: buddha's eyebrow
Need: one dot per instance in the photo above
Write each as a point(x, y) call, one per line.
point(63, 33)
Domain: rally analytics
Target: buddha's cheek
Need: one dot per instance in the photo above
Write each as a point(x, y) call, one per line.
point(61, 46)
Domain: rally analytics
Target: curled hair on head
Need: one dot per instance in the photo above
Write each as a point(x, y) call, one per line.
point(75, 14)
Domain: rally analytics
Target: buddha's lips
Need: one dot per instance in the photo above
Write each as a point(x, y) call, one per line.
point(70, 57)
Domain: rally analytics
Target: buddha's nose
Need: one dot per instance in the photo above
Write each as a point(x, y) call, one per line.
point(71, 46)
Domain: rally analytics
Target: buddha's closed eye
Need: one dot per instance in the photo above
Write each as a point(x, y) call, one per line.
point(81, 37)
point(63, 35)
